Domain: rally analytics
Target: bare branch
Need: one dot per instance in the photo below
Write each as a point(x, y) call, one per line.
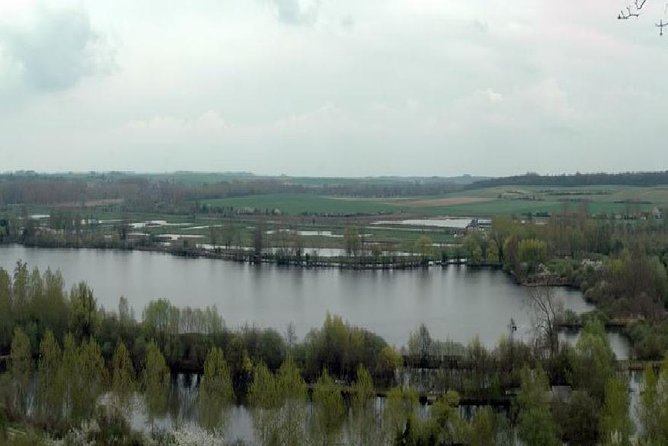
point(661, 25)
point(632, 10)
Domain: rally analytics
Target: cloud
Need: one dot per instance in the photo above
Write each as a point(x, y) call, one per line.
point(297, 12)
point(56, 50)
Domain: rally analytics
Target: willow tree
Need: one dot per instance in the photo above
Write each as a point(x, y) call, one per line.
point(215, 392)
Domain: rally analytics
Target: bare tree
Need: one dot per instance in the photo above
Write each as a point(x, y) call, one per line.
point(635, 9)
point(546, 310)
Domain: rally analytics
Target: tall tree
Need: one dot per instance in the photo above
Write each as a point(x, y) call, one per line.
point(84, 319)
point(20, 371)
point(90, 380)
point(50, 390)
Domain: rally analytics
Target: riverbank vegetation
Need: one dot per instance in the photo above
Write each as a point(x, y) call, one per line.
point(71, 371)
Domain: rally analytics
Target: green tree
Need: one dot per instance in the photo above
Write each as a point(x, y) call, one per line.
point(351, 241)
point(292, 390)
point(616, 425)
point(50, 390)
point(535, 424)
point(445, 424)
point(20, 371)
point(400, 410)
point(493, 254)
point(6, 316)
point(483, 431)
point(653, 406)
point(265, 401)
point(424, 246)
point(216, 393)
point(532, 252)
point(122, 377)
point(68, 373)
point(473, 249)
point(156, 382)
point(329, 411)
point(84, 319)
point(364, 426)
point(90, 379)
point(593, 348)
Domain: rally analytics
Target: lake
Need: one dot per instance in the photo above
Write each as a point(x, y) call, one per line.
point(454, 302)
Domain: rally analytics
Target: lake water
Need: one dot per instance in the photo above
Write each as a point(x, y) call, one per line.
point(454, 302)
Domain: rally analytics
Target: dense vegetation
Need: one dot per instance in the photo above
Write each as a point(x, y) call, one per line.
point(72, 370)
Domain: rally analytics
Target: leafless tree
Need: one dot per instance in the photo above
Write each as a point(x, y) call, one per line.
point(546, 311)
point(635, 9)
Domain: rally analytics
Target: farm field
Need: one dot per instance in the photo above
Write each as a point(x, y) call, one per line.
point(485, 202)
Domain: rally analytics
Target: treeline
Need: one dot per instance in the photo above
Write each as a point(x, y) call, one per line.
point(578, 179)
point(150, 193)
point(620, 266)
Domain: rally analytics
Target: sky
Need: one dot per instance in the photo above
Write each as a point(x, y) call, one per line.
point(333, 87)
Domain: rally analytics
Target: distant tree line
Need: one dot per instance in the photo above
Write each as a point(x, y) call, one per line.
point(578, 179)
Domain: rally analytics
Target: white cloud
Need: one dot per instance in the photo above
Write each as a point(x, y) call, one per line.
point(55, 49)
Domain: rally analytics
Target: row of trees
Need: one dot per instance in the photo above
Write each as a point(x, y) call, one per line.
point(68, 383)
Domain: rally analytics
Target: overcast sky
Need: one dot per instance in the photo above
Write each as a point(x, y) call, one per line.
point(332, 87)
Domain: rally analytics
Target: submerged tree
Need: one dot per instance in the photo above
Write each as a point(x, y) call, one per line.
point(329, 411)
point(292, 390)
point(215, 393)
point(364, 425)
point(122, 377)
point(265, 402)
point(156, 382)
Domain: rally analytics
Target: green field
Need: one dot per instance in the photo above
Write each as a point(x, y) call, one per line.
point(296, 204)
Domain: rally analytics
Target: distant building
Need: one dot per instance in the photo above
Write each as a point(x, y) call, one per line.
point(657, 214)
